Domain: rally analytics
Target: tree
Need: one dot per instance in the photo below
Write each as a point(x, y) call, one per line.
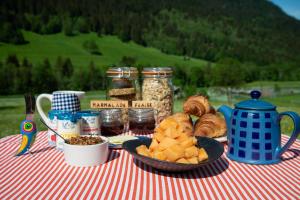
point(181, 45)
point(124, 34)
point(96, 77)
point(12, 69)
point(53, 26)
point(36, 24)
point(136, 30)
point(44, 79)
point(128, 61)
point(63, 71)
point(80, 80)
point(10, 34)
point(207, 74)
point(251, 72)
point(92, 47)
point(68, 26)
point(189, 90)
point(196, 76)
point(23, 81)
point(12, 59)
point(82, 25)
point(67, 68)
point(6, 79)
point(229, 74)
point(180, 75)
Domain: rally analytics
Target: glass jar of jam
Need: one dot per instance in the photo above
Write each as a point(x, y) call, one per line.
point(141, 121)
point(111, 122)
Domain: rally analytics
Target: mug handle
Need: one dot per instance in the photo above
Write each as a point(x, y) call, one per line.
point(39, 107)
point(296, 120)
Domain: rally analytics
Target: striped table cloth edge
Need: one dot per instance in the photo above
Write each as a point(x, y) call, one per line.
point(44, 175)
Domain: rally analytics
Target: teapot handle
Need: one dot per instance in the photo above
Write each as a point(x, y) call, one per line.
point(296, 120)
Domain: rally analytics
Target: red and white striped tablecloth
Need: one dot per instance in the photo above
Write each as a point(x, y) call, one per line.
point(45, 175)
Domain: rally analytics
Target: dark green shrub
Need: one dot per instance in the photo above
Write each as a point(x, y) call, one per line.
point(128, 61)
point(10, 34)
point(91, 47)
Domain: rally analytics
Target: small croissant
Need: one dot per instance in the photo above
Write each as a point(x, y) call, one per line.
point(210, 125)
point(197, 105)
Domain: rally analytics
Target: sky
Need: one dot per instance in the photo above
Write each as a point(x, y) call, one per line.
point(291, 7)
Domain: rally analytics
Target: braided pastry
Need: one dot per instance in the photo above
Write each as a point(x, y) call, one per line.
point(210, 125)
point(197, 105)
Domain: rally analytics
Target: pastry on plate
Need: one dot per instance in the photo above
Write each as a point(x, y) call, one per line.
point(210, 125)
point(197, 105)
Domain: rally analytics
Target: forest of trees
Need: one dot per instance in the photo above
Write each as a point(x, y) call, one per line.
point(245, 40)
point(250, 31)
point(21, 76)
point(17, 77)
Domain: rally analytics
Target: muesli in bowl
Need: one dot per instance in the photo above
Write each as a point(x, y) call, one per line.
point(84, 140)
point(83, 151)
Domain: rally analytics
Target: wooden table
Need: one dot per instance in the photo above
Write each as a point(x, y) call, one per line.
point(45, 175)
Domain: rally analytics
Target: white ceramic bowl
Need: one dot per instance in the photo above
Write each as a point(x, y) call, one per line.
point(86, 155)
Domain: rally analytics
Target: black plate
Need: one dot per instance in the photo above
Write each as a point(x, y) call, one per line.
point(213, 148)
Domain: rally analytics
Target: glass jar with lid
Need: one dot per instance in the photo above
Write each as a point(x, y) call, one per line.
point(157, 87)
point(141, 121)
point(122, 84)
point(111, 122)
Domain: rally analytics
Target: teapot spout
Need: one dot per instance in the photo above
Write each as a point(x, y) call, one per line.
point(227, 112)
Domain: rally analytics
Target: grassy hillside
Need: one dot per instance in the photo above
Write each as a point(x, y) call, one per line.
point(255, 31)
point(112, 49)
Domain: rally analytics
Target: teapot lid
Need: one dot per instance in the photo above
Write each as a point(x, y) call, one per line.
point(255, 103)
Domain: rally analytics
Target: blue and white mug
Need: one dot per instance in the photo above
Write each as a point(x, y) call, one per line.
point(60, 100)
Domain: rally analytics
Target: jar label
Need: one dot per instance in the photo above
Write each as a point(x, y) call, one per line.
point(90, 125)
point(109, 104)
point(51, 134)
point(142, 104)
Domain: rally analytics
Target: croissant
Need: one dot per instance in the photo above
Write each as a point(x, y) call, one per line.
point(210, 125)
point(197, 105)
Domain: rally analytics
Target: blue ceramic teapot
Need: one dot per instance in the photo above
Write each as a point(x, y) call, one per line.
point(253, 131)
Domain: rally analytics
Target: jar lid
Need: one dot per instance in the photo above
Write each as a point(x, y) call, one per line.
point(122, 72)
point(68, 116)
point(141, 113)
point(87, 113)
point(157, 72)
point(55, 113)
point(111, 112)
point(255, 103)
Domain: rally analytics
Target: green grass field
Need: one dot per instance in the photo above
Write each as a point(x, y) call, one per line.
point(12, 111)
point(112, 49)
